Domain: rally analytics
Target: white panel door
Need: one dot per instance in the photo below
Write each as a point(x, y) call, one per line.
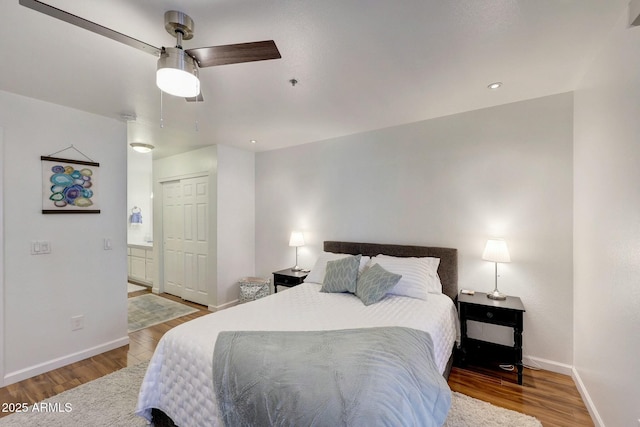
point(195, 201)
point(172, 221)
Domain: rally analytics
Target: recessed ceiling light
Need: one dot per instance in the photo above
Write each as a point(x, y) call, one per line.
point(253, 141)
point(495, 85)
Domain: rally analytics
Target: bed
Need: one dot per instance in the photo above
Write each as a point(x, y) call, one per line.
point(179, 383)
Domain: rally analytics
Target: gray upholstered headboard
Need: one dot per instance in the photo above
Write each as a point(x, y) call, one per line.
point(448, 269)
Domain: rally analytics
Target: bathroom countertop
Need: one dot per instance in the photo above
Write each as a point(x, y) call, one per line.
point(141, 245)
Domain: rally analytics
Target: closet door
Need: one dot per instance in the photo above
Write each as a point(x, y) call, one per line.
point(172, 225)
point(185, 207)
point(195, 202)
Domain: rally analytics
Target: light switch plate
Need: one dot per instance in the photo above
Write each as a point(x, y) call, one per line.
point(39, 247)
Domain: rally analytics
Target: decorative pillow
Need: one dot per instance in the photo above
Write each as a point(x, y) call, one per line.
point(374, 283)
point(317, 273)
point(341, 275)
point(419, 275)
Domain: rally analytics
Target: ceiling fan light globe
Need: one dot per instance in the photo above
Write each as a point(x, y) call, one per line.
point(177, 74)
point(177, 83)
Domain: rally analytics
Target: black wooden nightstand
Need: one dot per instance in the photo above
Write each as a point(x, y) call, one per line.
point(288, 278)
point(506, 313)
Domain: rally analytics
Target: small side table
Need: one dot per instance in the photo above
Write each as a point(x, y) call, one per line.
point(508, 313)
point(288, 278)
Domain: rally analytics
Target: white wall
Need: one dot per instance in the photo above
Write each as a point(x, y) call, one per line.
point(236, 220)
point(454, 181)
point(232, 203)
point(139, 189)
point(43, 292)
point(607, 230)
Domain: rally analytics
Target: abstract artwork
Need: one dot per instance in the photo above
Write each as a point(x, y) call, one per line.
point(69, 186)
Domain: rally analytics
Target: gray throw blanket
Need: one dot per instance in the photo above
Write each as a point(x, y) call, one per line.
point(356, 377)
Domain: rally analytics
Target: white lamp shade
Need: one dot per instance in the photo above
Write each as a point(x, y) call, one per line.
point(496, 251)
point(177, 74)
point(296, 239)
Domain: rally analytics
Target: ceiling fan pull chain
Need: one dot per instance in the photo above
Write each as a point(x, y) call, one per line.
point(197, 130)
point(161, 113)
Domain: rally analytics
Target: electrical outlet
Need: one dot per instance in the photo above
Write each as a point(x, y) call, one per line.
point(77, 322)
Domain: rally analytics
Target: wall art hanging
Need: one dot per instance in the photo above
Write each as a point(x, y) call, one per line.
point(70, 186)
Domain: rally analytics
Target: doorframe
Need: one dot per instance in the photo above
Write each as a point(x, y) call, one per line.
point(158, 225)
point(2, 157)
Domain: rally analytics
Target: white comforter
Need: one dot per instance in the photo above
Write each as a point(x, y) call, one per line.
point(179, 380)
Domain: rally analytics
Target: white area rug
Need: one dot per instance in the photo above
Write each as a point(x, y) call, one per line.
point(107, 401)
point(469, 412)
point(110, 401)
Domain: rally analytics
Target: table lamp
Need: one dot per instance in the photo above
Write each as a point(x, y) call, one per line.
point(496, 251)
point(296, 239)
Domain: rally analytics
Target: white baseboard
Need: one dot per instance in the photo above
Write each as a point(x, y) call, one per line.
point(586, 398)
point(23, 374)
point(215, 308)
point(570, 370)
point(548, 365)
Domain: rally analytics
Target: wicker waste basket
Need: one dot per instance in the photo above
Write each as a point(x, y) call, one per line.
point(252, 288)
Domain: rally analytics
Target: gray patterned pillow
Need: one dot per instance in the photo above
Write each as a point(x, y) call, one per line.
point(374, 283)
point(341, 275)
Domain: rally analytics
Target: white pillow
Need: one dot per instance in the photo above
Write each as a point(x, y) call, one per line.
point(317, 273)
point(419, 275)
point(433, 262)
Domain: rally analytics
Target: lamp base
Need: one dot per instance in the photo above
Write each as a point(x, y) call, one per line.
point(296, 268)
point(497, 295)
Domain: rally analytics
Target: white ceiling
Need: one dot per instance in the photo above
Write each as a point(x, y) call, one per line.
point(361, 65)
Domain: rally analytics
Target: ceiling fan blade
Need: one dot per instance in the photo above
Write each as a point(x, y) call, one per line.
point(193, 98)
point(89, 25)
point(235, 53)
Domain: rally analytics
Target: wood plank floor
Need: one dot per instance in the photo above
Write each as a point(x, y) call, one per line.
point(550, 397)
point(142, 343)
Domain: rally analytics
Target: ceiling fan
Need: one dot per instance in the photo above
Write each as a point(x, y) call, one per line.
point(177, 72)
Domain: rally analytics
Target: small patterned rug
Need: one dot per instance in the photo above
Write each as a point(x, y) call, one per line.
point(148, 310)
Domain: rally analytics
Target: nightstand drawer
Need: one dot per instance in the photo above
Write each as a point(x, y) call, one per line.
point(491, 315)
point(286, 280)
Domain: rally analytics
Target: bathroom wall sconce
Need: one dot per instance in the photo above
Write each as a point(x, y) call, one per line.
point(141, 148)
